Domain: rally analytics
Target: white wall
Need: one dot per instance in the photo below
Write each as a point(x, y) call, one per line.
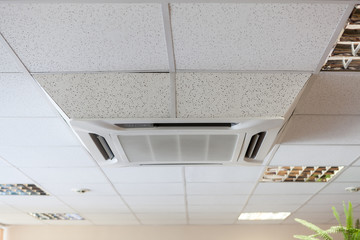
point(248, 232)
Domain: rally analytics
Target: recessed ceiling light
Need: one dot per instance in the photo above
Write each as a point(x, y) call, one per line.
point(21, 189)
point(300, 173)
point(264, 216)
point(56, 216)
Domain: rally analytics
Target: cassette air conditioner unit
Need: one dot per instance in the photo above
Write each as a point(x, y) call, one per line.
point(119, 142)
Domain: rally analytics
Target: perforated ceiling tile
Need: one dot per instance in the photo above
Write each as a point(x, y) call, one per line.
point(150, 189)
point(86, 37)
point(332, 93)
point(277, 36)
point(29, 100)
point(109, 95)
point(227, 95)
point(7, 62)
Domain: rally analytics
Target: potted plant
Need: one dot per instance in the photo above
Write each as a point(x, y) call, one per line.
point(349, 231)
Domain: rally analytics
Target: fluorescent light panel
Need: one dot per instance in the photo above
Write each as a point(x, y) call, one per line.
point(56, 216)
point(21, 189)
point(264, 216)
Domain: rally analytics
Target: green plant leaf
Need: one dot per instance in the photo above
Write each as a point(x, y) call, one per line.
point(305, 237)
point(349, 216)
point(336, 214)
point(320, 232)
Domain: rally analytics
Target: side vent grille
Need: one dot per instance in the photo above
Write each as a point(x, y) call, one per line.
point(254, 145)
point(103, 146)
point(174, 125)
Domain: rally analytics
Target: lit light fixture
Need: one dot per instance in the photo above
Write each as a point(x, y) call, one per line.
point(21, 189)
point(56, 216)
point(264, 216)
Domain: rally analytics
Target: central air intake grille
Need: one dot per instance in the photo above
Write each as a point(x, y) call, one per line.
point(179, 148)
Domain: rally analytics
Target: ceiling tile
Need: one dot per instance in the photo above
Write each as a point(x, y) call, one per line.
point(352, 174)
point(68, 189)
point(335, 199)
point(211, 221)
point(215, 208)
point(111, 219)
point(278, 199)
point(339, 187)
point(109, 95)
point(144, 174)
point(161, 216)
point(66, 222)
point(65, 175)
point(5, 208)
point(150, 189)
point(322, 129)
point(29, 100)
point(237, 200)
point(154, 200)
point(18, 219)
point(357, 163)
point(96, 37)
point(208, 36)
point(319, 155)
point(36, 132)
point(332, 93)
point(311, 217)
point(262, 222)
point(7, 62)
point(164, 221)
point(208, 216)
point(271, 207)
point(9, 175)
point(292, 188)
point(223, 174)
point(48, 156)
point(36, 203)
point(227, 95)
point(164, 208)
point(219, 188)
point(321, 207)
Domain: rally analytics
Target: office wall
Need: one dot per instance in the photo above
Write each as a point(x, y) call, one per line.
point(248, 232)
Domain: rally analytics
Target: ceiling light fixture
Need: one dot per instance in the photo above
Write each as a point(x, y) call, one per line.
point(21, 189)
point(56, 216)
point(264, 216)
point(352, 189)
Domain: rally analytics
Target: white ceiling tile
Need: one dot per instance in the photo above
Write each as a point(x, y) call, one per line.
point(7, 62)
point(164, 208)
point(311, 217)
point(331, 93)
point(96, 37)
point(29, 100)
point(5, 208)
point(289, 188)
point(278, 199)
point(164, 221)
point(65, 175)
point(357, 163)
point(36, 203)
point(319, 155)
point(154, 200)
point(36, 132)
point(339, 187)
point(218, 215)
point(161, 216)
point(211, 221)
point(262, 222)
point(352, 174)
point(67, 189)
point(335, 199)
point(150, 189)
point(271, 207)
point(9, 175)
point(111, 219)
point(66, 222)
point(19, 219)
point(236, 94)
point(223, 174)
point(215, 208)
point(96, 204)
point(322, 129)
point(321, 207)
point(219, 188)
point(47, 156)
point(3, 162)
point(109, 95)
point(222, 36)
point(238, 200)
point(144, 174)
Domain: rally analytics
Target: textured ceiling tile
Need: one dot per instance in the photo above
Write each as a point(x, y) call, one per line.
point(289, 188)
point(29, 100)
point(7, 62)
point(86, 37)
point(332, 93)
point(222, 95)
point(109, 95)
point(276, 36)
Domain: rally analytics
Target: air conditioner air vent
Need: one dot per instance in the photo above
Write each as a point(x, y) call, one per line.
point(254, 145)
point(173, 125)
point(103, 146)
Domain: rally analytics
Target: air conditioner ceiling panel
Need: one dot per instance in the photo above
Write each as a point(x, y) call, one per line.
point(86, 37)
point(277, 36)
